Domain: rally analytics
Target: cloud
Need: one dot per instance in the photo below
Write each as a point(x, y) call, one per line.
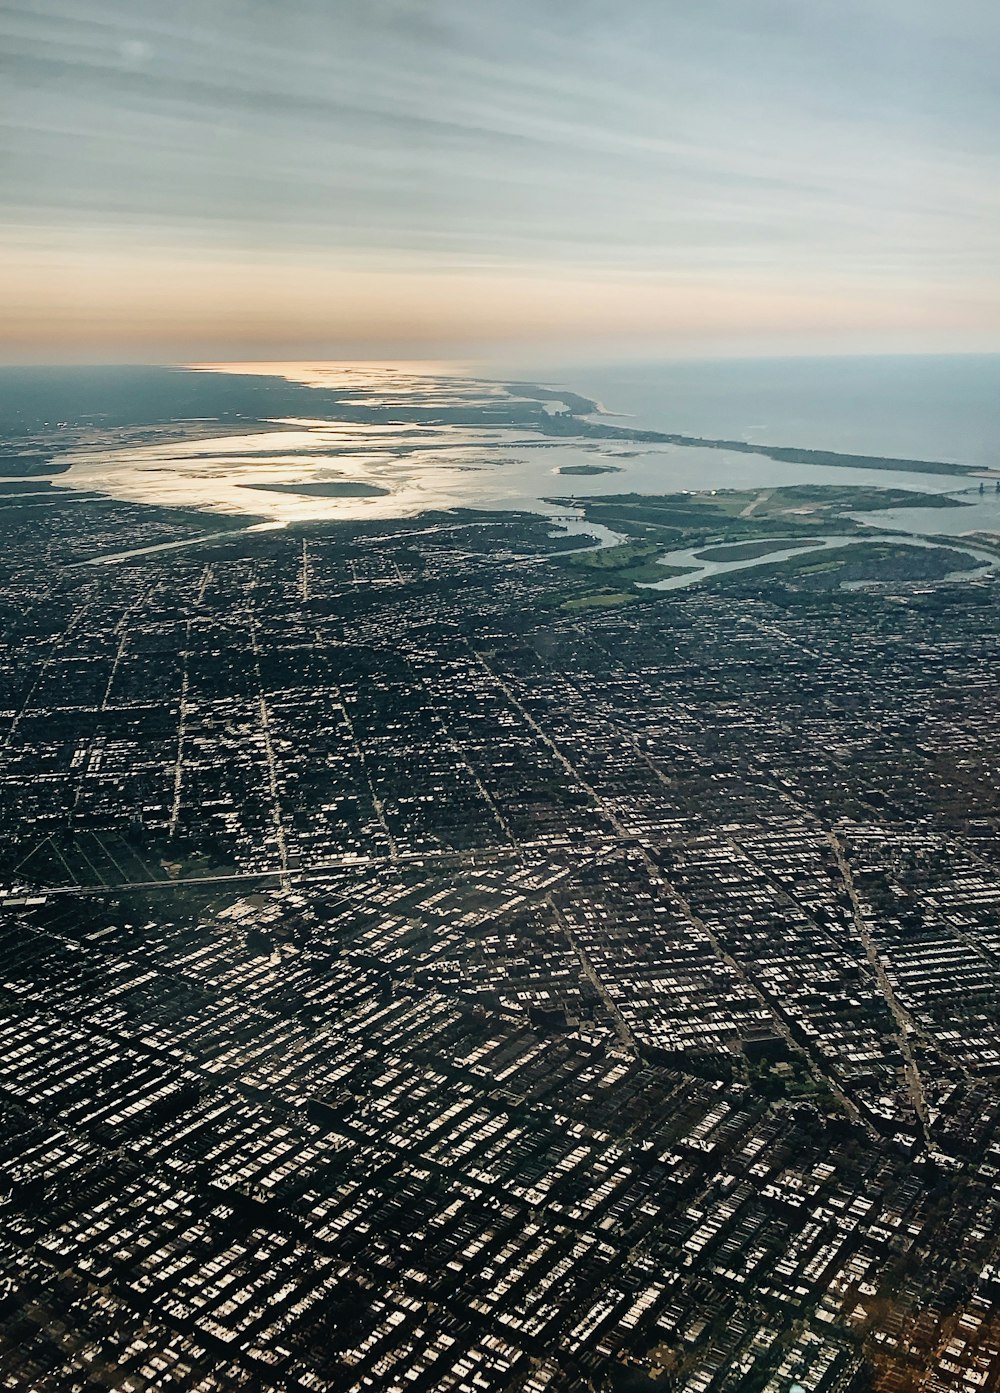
point(847, 143)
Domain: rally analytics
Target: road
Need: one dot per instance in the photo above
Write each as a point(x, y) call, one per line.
point(905, 1025)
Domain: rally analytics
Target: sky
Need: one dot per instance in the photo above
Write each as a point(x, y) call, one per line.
point(273, 178)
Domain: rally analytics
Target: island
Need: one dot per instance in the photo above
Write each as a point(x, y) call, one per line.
point(326, 488)
point(589, 469)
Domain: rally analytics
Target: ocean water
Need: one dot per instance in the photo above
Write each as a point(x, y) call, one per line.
point(912, 407)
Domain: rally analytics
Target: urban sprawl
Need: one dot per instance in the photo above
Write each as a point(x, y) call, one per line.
point(422, 970)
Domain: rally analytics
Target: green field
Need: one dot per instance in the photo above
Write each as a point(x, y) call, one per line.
point(599, 599)
point(749, 551)
point(731, 524)
point(872, 562)
point(632, 563)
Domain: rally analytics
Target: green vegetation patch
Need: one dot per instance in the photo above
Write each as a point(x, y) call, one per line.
point(875, 562)
point(749, 551)
point(729, 517)
point(632, 563)
point(745, 525)
point(619, 558)
point(599, 599)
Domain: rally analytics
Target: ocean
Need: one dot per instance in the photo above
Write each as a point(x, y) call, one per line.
point(909, 407)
